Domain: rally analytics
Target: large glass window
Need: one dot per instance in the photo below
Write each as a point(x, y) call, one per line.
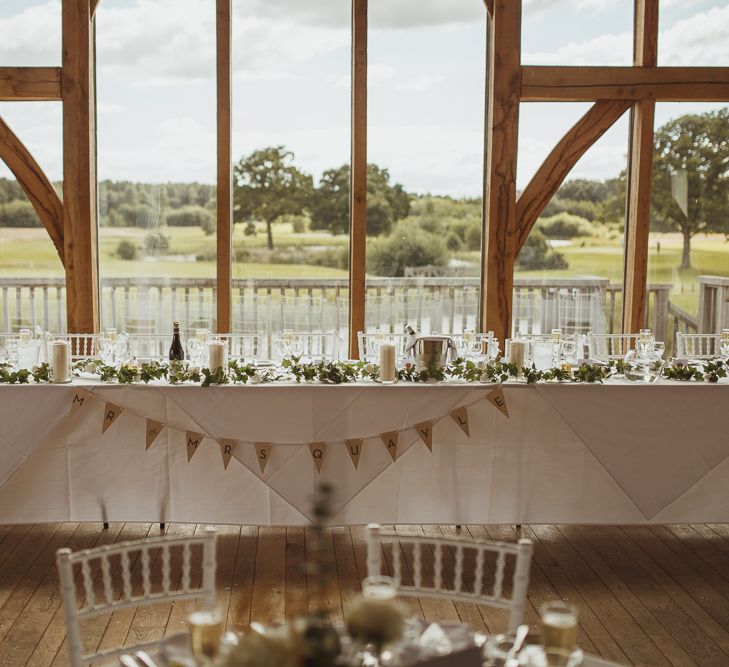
point(426, 79)
point(693, 33)
point(156, 147)
point(569, 272)
point(291, 146)
point(31, 31)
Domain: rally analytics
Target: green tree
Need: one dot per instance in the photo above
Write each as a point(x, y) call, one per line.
point(691, 177)
point(386, 203)
point(18, 213)
point(268, 185)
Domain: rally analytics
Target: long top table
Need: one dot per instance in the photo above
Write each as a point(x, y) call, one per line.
point(613, 453)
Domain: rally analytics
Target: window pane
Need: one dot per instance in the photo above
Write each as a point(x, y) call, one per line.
point(688, 250)
point(694, 33)
point(588, 32)
point(31, 31)
point(569, 272)
point(426, 79)
point(156, 146)
point(32, 279)
point(291, 144)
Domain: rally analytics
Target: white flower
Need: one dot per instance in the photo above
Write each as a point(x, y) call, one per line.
point(484, 377)
point(256, 378)
point(369, 369)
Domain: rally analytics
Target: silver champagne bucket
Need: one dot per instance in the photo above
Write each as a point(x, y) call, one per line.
point(431, 351)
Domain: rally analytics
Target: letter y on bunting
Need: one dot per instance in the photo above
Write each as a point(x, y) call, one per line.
point(425, 433)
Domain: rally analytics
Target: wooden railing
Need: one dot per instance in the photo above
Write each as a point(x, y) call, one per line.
point(445, 304)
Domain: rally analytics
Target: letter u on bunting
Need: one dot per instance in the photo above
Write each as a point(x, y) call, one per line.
point(153, 429)
point(111, 414)
point(390, 442)
point(498, 400)
point(318, 450)
point(460, 416)
point(193, 441)
point(263, 453)
point(425, 433)
point(354, 447)
point(226, 450)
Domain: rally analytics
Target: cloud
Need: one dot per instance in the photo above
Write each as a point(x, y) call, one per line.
point(33, 36)
point(420, 83)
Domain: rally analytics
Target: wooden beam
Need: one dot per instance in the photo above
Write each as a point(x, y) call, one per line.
point(640, 174)
point(94, 4)
point(499, 245)
point(225, 169)
point(586, 84)
point(489, 6)
point(358, 177)
point(37, 187)
point(79, 168)
point(30, 84)
point(563, 157)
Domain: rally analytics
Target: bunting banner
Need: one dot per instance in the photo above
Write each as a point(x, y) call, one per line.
point(78, 401)
point(425, 433)
point(390, 441)
point(354, 447)
point(498, 400)
point(226, 450)
point(193, 441)
point(111, 414)
point(460, 416)
point(263, 453)
point(318, 450)
point(153, 429)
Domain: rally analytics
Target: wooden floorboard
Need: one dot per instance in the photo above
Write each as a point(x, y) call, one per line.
point(650, 596)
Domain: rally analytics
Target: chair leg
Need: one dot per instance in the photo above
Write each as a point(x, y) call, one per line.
point(162, 527)
point(105, 525)
point(518, 529)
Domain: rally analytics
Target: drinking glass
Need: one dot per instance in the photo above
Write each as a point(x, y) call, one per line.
point(206, 629)
point(569, 352)
point(559, 631)
point(282, 344)
point(660, 348)
point(11, 351)
point(379, 587)
point(542, 353)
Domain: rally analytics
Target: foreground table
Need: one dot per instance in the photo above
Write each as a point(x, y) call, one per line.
point(614, 453)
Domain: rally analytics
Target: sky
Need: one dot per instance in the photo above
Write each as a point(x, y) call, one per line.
point(156, 87)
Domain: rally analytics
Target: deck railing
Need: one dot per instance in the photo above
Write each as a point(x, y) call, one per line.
point(444, 304)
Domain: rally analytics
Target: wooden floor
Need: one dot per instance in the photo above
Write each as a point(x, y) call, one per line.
point(647, 595)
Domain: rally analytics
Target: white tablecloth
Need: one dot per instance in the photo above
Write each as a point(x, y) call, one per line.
point(614, 453)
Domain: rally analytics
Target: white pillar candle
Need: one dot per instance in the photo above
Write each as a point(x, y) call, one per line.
point(60, 368)
point(517, 352)
point(216, 348)
point(388, 370)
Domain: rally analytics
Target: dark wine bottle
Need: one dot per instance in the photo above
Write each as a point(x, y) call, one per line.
point(176, 351)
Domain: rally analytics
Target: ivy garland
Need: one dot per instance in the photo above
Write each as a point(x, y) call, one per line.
point(343, 372)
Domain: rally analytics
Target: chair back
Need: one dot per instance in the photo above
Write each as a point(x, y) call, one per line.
point(309, 346)
point(698, 346)
point(480, 583)
point(117, 589)
point(610, 346)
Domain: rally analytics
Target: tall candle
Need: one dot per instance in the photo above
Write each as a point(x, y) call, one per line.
point(388, 370)
point(59, 361)
point(216, 348)
point(517, 352)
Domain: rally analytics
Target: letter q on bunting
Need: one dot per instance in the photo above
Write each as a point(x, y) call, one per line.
point(460, 416)
point(111, 414)
point(192, 441)
point(318, 450)
point(390, 441)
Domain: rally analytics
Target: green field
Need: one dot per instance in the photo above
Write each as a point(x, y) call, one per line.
point(29, 253)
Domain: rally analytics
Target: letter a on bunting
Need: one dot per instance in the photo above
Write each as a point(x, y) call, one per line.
point(390, 442)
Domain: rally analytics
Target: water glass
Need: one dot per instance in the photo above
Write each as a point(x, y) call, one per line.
point(206, 629)
point(542, 354)
point(379, 587)
point(558, 631)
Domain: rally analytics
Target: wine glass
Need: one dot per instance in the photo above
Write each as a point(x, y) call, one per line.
point(106, 350)
point(558, 630)
point(206, 629)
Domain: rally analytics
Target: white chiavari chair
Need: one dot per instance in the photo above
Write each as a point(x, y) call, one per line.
point(309, 346)
point(698, 346)
point(368, 345)
point(610, 346)
point(118, 592)
point(461, 590)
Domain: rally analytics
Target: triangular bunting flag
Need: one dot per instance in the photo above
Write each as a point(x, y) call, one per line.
point(318, 449)
point(80, 398)
point(498, 400)
point(192, 441)
point(153, 430)
point(354, 447)
point(460, 416)
point(111, 414)
point(263, 453)
point(425, 433)
point(390, 442)
point(226, 450)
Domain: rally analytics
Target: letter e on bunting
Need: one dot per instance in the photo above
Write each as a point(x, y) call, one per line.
point(226, 450)
point(111, 414)
point(425, 433)
point(318, 449)
point(193, 441)
point(80, 398)
point(153, 429)
point(354, 447)
point(498, 400)
point(460, 416)
point(390, 442)
point(263, 453)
